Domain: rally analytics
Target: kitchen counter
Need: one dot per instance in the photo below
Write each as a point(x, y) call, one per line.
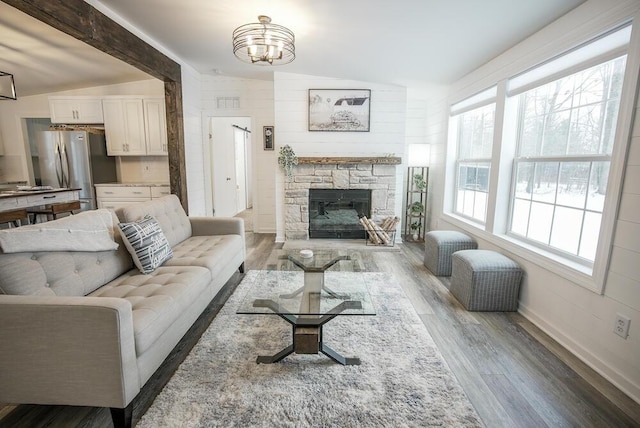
point(18, 193)
point(131, 184)
point(15, 199)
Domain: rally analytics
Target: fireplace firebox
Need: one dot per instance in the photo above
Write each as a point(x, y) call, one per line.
point(335, 213)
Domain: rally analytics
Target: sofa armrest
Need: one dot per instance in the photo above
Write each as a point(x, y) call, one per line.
point(67, 350)
point(203, 226)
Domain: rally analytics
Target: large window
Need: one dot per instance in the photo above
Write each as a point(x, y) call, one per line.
point(565, 140)
point(473, 163)
point(536, 160)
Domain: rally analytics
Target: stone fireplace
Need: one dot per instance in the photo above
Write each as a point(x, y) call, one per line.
point(378, 175)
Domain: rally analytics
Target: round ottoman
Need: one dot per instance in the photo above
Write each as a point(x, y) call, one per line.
point(440, 245)
point(483, 280)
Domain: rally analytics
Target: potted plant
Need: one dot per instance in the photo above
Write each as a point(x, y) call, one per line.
point(419, 182)
point(414, 229)
point(416, 208)
point(287, 159)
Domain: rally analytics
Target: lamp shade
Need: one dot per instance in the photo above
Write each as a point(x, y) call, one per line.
point(7, 86)
point(264, 43)
point(418, 154)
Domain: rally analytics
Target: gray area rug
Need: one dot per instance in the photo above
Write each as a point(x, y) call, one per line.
point(402, 381)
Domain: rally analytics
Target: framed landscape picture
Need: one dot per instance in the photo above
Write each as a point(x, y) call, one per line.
point(345, 110)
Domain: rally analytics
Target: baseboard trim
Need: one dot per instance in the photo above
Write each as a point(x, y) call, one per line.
point(615, 378)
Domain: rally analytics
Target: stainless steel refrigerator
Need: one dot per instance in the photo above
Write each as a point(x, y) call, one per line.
point(75, 159)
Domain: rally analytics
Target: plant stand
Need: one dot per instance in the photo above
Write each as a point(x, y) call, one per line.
point(416, 196)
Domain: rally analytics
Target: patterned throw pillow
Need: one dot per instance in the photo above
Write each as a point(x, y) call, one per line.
point(146, 243)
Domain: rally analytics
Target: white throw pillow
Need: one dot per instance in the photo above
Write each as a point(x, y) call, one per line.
point(146, 243)
point(86, 231)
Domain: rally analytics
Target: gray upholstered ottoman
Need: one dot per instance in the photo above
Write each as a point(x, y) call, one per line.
point(440, 245)
point(484, 280)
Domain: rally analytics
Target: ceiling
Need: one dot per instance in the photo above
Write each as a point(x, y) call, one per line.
point(403, 42)
point(43, 59)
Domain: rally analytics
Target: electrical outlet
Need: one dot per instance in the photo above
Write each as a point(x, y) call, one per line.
point(621, 327)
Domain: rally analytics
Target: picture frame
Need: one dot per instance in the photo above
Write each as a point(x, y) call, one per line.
point(339, 110)
point(268, 137)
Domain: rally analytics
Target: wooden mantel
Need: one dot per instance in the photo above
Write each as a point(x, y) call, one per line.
point(382, 160)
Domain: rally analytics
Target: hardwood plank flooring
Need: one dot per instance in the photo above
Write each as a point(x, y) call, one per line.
point(513, 373)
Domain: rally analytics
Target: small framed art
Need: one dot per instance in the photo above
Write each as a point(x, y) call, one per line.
point(345, 110)
point(267, 132)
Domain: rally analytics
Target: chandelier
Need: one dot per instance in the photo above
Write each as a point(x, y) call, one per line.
point(264, 43)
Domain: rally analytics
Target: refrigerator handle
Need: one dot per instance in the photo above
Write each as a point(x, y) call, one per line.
point(58, 158)
point(66, 180)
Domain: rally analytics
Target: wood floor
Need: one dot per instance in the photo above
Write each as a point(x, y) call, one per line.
point(513, 373)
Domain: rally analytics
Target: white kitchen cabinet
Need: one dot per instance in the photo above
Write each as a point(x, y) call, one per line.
point(135, 126)
point(159, 191)
point(115, 196)
point(155, 121)
point(75, 110)
point(124, 127)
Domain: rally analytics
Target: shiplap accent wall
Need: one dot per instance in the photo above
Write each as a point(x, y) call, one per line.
point(291, 104)
point(437, 115)
point(580, 319)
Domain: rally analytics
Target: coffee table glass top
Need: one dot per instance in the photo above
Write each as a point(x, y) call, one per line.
point(331, 282)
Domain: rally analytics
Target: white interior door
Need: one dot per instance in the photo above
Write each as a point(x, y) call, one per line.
point(229, 192)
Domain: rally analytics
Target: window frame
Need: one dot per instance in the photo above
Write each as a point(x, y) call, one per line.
point(556, 158)
point(477, 101)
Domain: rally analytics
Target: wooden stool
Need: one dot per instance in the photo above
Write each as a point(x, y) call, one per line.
point(14, 217)
point(54, 209)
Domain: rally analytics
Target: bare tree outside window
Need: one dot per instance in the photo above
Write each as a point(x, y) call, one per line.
point(565, 141)
point(473, 163)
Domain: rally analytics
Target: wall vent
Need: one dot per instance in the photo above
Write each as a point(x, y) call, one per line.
point(228, 103)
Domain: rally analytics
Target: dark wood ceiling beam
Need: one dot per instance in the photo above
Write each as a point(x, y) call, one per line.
point(84, 22)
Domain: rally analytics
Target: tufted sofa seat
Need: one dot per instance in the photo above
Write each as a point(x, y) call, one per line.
point(88, 329)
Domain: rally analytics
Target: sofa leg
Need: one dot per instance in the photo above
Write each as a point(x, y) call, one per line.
point(122, 417)
point(241, 268)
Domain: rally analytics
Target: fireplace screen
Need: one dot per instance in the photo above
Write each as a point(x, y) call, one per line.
point(335, 213)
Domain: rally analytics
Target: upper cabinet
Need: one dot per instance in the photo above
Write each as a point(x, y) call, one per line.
point(135, 126)
point(155, 126)
point(75, 110)
point(124, 127)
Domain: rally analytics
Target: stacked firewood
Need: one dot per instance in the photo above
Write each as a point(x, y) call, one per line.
point(380, 234)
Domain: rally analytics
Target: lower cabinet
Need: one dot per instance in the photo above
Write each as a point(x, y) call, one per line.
point(118, 196)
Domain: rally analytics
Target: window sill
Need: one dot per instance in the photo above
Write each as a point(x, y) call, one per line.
point(568, 269)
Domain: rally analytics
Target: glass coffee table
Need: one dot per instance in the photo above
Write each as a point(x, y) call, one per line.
point(308, 292)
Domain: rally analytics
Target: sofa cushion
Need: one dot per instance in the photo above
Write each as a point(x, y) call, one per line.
point(146, 243)
point(158, 299)
point(167, 211)
point(62, 273)
point(210, 252)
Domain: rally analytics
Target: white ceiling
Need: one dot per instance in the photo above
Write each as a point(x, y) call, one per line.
point(42, 59)
point(404, 42)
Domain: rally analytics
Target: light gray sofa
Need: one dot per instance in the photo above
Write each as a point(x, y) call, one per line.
point(88, 329)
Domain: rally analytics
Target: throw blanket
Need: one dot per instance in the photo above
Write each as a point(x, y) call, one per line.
point(86, 231)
